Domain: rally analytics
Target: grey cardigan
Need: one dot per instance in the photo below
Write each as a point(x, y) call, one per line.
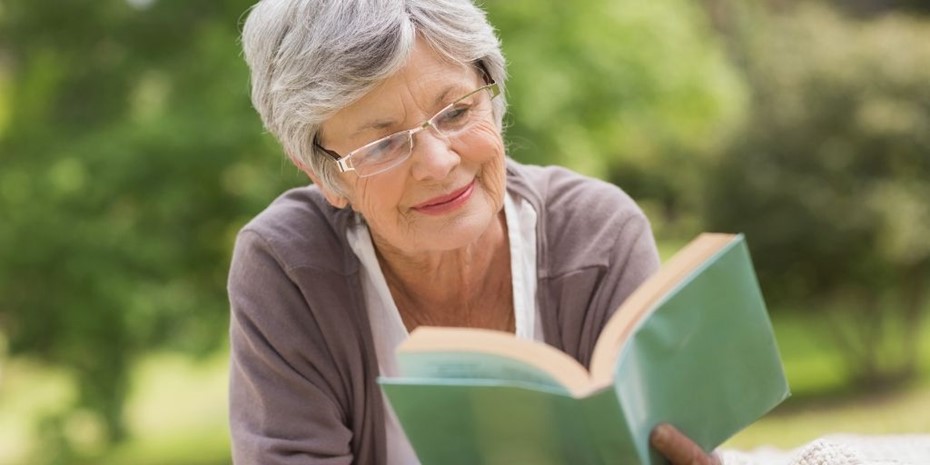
point(303, 364)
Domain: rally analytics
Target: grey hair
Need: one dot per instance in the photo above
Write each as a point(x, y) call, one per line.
point(308, 59)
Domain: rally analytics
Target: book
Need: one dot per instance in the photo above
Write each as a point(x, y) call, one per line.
point(692, 346)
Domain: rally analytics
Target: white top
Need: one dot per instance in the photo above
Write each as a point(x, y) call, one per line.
point(388, 328)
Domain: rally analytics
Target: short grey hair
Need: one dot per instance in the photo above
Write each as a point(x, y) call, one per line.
point(308, 59)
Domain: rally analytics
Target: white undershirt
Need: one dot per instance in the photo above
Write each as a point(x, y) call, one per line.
point(388, 328)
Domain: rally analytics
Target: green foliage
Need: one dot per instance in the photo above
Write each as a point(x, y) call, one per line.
point(831, 177)
point(640, 93)
point(130, 157)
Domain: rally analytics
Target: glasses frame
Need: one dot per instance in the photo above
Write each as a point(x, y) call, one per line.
point(344, 163)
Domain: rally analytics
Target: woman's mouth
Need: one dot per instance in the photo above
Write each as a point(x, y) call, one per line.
point(448, 202)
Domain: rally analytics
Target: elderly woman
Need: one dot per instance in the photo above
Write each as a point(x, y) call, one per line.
point(416, 216)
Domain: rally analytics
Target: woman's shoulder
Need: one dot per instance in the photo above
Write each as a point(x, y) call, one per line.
point(300, 229)
point(572, 199)
point(583, 221)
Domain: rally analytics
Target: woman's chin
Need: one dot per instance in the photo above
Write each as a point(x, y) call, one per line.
point(462, 232)
point(467, 228)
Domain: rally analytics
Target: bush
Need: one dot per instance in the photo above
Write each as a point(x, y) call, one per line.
point(831, 178)
point(638, 93)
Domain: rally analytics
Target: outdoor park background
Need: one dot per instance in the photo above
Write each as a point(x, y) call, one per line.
point(130, 156)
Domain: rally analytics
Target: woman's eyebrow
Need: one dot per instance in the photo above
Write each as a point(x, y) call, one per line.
point(441, 100)
point(381, 124)
point(375, 124)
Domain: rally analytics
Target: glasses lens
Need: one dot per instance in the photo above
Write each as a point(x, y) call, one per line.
point(462, 114)
point(382, 154)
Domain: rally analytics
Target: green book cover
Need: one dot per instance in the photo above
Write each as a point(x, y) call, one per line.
point(693, 346)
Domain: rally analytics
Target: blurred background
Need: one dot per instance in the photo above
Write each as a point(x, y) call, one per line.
point(130, 156)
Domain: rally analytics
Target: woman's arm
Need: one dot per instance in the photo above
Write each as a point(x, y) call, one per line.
point(282, 403)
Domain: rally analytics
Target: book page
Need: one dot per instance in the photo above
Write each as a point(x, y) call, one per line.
point(643, 300)
point(457, 366)
point(485, 352)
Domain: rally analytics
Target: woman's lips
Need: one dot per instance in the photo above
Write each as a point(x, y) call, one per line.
point(448, 202)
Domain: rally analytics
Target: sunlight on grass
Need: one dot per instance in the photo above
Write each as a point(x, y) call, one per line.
point(172, 393)
point(902, 412)
point(814, 371)
point(4, 100)
point(184, 446)
point(28, 392)
point(177, 413)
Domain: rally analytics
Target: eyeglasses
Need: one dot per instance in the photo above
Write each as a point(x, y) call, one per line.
point(390, 151)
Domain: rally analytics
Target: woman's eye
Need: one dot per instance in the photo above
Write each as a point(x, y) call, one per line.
point(387, 147)
point(454, 115)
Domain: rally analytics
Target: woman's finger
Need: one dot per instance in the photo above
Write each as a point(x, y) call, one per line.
point(678, 449)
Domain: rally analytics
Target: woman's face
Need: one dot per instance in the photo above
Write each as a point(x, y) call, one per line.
point(450, 191)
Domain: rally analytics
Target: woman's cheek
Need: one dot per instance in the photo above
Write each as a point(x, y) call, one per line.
point(495, 182)
point(490, 148)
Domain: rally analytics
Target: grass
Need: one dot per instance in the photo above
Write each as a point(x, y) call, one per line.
point(803, 420)
point(182, 447)
point(823, 402)
point(4, 100)
point(177, 411)
point(28, 392)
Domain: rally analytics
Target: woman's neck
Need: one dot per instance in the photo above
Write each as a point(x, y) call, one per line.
point(470, 286)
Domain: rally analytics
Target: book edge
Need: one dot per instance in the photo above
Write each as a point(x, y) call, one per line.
point(564, 369)
point(648, 297)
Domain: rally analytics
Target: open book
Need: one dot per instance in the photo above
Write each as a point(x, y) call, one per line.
point(693, 346)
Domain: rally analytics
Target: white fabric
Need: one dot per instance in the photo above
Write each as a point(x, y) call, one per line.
point(912, 449)
point(521, 231)
point(387, 326)
point(388, 331)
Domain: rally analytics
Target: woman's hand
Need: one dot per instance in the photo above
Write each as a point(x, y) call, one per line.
point(678, 449)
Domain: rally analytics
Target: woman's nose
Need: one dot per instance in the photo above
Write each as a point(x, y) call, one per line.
point(433, 156)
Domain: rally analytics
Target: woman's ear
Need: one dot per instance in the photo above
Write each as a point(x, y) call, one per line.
point(333, 198)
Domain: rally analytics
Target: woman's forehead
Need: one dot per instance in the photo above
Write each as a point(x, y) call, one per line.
point(426, 83)
point(427, 77)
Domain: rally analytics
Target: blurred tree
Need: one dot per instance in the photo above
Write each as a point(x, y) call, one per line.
point(831, 177)
point(862, 8)
point(868, 8)
point(639, 93)
point(129, 157)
